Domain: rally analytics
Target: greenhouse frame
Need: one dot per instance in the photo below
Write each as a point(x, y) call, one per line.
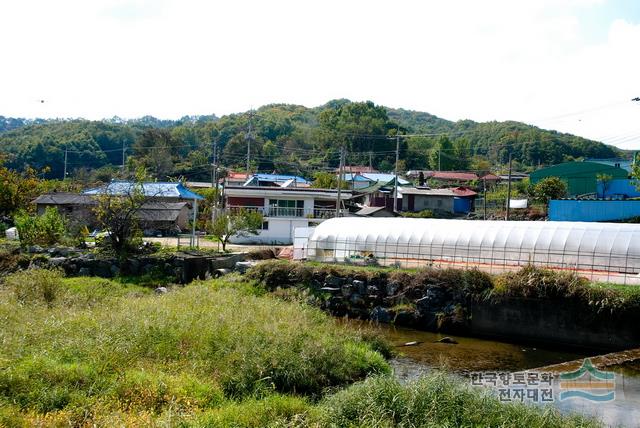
point(600, 249)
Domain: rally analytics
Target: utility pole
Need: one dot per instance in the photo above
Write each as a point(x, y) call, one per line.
point(249, 137)
point(123, 156)
point(439, 163)
point(214, 182)
point(370, 161)
point(395, 187)
point(64, 177)
point(340, 172)
point(509, 189)
point(484, 197)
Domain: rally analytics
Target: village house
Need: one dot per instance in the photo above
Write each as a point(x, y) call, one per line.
point(457, 200)
point(450, 178)
point(284, 209)
point(276, 180)
point(368, 179)
point(153, 216)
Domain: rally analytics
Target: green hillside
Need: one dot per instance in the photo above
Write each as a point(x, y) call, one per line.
point(284, 138)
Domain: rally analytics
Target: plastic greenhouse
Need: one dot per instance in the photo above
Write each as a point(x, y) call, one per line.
point(408, 242)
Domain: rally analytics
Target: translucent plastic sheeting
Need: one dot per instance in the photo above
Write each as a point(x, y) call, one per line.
point(411, 242)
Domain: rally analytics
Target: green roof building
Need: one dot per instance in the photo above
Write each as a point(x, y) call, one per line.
point(581, 177)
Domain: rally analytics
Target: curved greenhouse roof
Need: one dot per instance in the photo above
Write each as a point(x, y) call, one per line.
point(413, 242)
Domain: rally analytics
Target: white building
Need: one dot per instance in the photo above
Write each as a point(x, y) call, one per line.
point(284, 209)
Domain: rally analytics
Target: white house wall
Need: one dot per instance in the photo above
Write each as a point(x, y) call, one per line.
point(279, 232)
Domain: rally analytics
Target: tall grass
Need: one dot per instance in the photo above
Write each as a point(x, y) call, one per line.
point(432, 401)
point(218, 353)
point(193, 348)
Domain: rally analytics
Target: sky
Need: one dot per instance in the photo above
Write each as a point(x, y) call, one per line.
point(569, 65)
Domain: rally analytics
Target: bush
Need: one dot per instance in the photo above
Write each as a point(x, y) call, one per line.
point(194, 348)
point(47, 229)
point(538, 283)
point(36, 286)
point(420, 214)
point(434, 400)
point(534, 282)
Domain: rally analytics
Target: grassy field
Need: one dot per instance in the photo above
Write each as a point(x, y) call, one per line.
point(95, 352)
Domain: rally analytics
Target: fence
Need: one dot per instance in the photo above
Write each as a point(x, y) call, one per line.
point(620, 268)
point(320, 213)
point(189, 241)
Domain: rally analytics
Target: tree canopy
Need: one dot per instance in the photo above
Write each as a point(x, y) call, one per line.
point(284, 138)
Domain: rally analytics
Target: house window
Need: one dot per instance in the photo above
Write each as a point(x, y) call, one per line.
point(439, 202)
point(286, 208)
point(265, 225)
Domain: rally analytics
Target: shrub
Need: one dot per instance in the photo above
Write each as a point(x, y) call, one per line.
point(535, 282)
point(47, 229)
point(434, 400)
point(420, 214)
point(190, 349)
point(36, 286)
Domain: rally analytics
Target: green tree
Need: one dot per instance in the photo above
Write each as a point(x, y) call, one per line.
point(359, 127)
point(117, 215)
point(17, 190)
point(442, 157)
point(605, 179)
point(156, 150)
point(462, 154)
point(326, 180)
point(418, 150)
point(47, 229)
point(549, 188)
point(240, 223)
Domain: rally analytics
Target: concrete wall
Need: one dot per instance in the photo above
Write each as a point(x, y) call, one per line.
point(425, 202)
point(548, 321)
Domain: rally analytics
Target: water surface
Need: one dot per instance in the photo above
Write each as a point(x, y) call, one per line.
point(473, 354)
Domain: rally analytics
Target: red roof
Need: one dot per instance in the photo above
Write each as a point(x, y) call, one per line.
point(450, 175)
point(463, 191)
point(237, 175)
point(357, 169)
point(490, 177)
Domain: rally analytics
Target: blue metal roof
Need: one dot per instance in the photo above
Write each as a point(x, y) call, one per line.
point(279, 177)
point(150, 189)
point(356, 177)
point(370, 176)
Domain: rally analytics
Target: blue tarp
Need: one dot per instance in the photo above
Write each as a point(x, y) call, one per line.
point(150, 189)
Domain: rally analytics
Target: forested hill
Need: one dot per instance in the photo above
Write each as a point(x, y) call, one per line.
point(285, 138)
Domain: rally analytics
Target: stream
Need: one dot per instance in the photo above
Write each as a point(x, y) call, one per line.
point(479, 355)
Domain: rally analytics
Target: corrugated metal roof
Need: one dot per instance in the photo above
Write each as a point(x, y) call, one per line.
point(150, 189)
point(160, 211)
point(452, 175)
point(369, 210)
point(456, 191)
point(64, 198)
point(380, 177)
point(279, 177)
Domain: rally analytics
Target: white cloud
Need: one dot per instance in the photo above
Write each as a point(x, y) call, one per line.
point(486, 60)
